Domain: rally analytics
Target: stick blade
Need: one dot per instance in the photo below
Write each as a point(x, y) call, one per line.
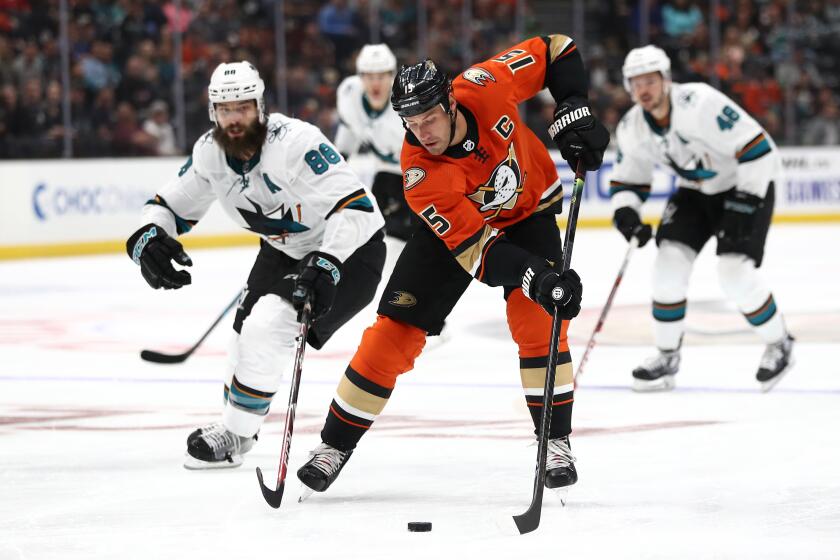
point(160, 358)
point(528, 521)
point(272, 497)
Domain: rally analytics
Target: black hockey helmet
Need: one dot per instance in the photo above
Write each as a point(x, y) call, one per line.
point(419, 87)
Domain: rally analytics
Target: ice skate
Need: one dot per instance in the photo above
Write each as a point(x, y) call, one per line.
point(322, 468)
point(775, 363)
point(560, 472)
point(215, 447)
point(657, 373)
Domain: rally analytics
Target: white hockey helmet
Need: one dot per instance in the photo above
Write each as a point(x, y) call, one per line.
point(643, 60)
point(374, 59)
point(236, 81)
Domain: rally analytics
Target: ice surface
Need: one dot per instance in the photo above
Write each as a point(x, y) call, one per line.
point(92, 438)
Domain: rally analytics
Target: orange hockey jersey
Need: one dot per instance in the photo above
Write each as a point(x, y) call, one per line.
point(500, 173)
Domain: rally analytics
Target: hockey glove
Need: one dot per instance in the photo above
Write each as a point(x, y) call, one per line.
point(544, 285)
point(153, 249)
point(736, 226)
point(578, 134)
point(628, 223)
point(318, 281)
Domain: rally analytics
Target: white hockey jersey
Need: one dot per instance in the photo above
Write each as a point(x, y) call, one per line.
point(297, 193)
point(711, 144)
point(360, 125)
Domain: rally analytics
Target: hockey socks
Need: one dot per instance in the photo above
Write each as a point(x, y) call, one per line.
point(532, 371)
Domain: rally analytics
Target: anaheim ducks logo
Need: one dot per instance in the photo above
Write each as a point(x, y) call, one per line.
point(478, 76)
point(403, 299)
point(412, 177)
point(502, 189)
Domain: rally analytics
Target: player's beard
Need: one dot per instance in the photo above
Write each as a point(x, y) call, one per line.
point(244, 146)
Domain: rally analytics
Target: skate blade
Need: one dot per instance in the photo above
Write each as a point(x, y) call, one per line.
point(664, 383)
point(770, 383)
point(193, 464)
point(305, 492)
point(561, 494)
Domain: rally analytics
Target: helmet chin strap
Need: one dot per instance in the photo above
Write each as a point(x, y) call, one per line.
point(453, 117)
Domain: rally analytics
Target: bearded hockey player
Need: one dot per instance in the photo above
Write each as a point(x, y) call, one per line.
point(366, 119)
point(727, 170)
point(320, 239)
point(487, 191)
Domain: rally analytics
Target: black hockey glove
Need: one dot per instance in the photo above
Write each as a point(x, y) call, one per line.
point(544, 285)
point(736, 226)
point(578, 134)
point(318, 280)
point(628, 223)
point(153, 249)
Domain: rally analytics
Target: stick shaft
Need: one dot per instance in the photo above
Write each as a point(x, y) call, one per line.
point(530, 520)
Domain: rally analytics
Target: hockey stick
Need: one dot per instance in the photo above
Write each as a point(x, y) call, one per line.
point(274, 497)
point(163, 358)
point(634, 243)
point(530, 520)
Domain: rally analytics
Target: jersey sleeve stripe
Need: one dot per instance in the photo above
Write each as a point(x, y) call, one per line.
point(468, 242)
point(550, 197)
point(182, 225)
point(479, 272)
point(357, 200)
point(754, 149)
point(560, 46)
point(468, 252)
point(642, 191)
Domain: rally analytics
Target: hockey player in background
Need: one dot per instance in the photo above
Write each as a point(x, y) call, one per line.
point(321, 238)
point(727, 169)
point(487, 191)
point(366, 119)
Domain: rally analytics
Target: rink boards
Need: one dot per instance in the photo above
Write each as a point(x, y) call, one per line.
point(57, 207)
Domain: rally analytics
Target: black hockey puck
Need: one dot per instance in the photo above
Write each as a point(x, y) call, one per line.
point(419, 526)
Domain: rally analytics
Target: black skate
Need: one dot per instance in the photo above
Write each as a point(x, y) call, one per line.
point(560, 464)
point(775, 363)
point(657, 373)
point(215, 447)
point(322, 469)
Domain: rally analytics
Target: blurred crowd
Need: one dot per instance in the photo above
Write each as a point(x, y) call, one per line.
point(778, 58)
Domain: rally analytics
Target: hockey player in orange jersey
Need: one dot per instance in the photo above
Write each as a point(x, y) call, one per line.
point(488, 192)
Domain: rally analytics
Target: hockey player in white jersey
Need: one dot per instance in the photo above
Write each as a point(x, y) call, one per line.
point(366, 119)
point(727, 168)
point(321, 239)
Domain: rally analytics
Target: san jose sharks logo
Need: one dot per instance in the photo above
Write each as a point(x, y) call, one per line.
point(265, 223)
point(502, 189)
point(693, 170)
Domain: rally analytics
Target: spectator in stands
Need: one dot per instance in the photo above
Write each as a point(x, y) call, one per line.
point(53, 116)
point(11, 123)
point(824, 128)
point(128, 138)
point(98, 69)
point(338, 22)
point(680, 18)
point(157, 126)
point(29, 63)
point(135, 85)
